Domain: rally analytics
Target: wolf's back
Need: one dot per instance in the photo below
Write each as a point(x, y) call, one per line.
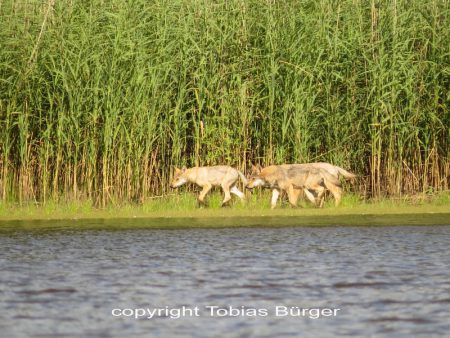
point(330, 168)
point(333, 169)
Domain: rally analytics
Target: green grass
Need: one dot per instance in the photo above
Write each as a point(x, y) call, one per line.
point(184, 205)
point(100, 99)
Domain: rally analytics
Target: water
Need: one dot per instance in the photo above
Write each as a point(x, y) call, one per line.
point(61, 281)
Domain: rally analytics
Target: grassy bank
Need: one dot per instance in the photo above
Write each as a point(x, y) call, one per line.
point(100, 99)
point(185, 206)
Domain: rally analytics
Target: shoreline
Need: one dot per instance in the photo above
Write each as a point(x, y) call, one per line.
point(183, 209)
point(376, 213)
point(173, 223)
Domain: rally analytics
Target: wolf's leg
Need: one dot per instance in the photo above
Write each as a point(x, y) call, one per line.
point(310, 196)
point(336, 191)
point(275, 194)
point(226, 190)
point(321, 196)
point(205, 190)
point(292, 195)
point(237, 192)
point(295, 195)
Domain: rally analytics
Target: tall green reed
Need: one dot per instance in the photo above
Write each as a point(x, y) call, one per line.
point(99, 100)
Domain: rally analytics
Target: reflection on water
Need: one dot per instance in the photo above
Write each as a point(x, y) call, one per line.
point(391, 281)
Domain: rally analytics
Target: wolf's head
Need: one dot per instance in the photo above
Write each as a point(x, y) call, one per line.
point(179, 178)
point(255, 179)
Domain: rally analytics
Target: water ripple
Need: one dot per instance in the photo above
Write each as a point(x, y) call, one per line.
point(385, 281)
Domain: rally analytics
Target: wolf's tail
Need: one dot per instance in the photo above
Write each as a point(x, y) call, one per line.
point(345, 173)
point(243, 178)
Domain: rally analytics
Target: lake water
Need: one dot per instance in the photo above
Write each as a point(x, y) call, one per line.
point(64, 281)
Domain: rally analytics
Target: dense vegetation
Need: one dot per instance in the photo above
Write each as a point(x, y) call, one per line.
point(100, 99)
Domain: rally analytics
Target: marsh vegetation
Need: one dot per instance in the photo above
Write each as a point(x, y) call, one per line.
point(100, 99)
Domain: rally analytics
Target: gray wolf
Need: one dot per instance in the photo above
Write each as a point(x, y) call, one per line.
point(334, 170)
point(312, 178)
point(206, 177)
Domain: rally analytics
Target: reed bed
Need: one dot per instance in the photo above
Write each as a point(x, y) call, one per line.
point(100, 99)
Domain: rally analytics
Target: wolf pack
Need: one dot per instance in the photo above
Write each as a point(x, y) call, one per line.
point(313, 179)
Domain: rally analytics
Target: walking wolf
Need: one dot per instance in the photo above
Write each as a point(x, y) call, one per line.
point(207, 177)
point(312, 178)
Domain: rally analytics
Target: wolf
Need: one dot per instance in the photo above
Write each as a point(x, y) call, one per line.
point(334, 170)
point(293, 178)
point(207, 177)
point(326, 169)
point(314, 181)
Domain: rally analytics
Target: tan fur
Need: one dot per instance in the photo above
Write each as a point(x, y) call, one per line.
point(206, 177)
point(316, 180)
point(333, 170)
point(293, 178)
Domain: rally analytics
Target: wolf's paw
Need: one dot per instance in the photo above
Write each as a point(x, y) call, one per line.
point(202, 204)
point(226, 204)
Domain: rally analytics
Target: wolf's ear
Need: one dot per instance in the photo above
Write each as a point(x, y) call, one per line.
point(256, 169)
point(177, 170)
point(183, 169)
